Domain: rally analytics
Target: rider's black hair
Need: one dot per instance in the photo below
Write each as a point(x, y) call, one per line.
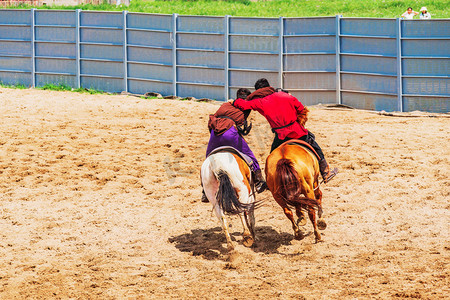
point(261, 83)
point(242, 93)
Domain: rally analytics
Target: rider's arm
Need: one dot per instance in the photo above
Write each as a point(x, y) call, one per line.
point(244, 105)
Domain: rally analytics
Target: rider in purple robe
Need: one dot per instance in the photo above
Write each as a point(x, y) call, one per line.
point(227, 127)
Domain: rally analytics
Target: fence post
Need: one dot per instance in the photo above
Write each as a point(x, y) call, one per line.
point(226, 27)
point(338, 59)
point(33, 48)
point(399, 66)
point(125, 51)
point(77, 38)
point(280, 52)
point(174, 53)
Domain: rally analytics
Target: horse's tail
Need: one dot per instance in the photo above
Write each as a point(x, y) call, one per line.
point(227, 197)
point(289, 185)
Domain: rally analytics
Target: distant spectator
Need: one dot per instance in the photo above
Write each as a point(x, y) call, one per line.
point(409, 14)
point(424, 14)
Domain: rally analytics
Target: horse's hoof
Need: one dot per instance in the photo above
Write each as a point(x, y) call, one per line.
point(301, 221)
point(321, 224)
point(248, 241)
point(299, 236)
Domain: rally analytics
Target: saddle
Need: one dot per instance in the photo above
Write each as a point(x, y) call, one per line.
point(230, 149)
point(302, 144)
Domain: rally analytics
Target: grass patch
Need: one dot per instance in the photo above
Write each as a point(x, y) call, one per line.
point(54, 87)
point(275, 8)
point(63, 87)
point(13, 86)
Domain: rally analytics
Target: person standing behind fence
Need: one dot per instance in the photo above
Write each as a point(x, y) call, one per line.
point(409, 14)
point(424, 14)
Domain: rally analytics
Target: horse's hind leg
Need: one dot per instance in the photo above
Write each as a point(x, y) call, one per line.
point(301, 221)
point(321, 222)
point(312, 217)
point(248, 230)
point(224, 223)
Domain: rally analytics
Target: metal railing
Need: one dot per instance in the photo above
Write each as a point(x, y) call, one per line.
point(376, 64)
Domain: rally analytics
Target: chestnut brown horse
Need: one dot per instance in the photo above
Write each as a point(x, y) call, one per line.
point(292, 174)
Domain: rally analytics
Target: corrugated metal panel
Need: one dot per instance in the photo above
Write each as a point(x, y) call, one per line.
point(15, 32)
point(142, 87)
point(15, 48)
point(56, 65)
point(149, 38)
point(426, 28)
point(253, 26)
point(370, 101)
point(43, 79)
point(56, 49)
point(314, 97)
point(309, 44)
point(200, 41)
point(426, 48)
point(153, 72)
point(11, 17)
point(148, 21)
point(201, 58)
point(310, 81)
point(200, 24)
point(364, 64)
point(426, 66)
point(112, 85)
point(431, 104)
point(309, 26)
point(213, 56)
point(148, 55)
point(248, 78)
point(55, 34)
point(101, 52)
point(55, 18)
point(368, 27)
point(13, 78)
point(310, 63)
point(369, 83)
point(211, 92)
point(364, 45)
point(427, 86)
point(253, 61)
point(15, 63)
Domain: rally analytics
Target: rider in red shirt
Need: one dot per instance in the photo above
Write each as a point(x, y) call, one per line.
point(281, 110)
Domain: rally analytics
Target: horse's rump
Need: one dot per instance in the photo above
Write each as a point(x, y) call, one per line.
point(289, 185)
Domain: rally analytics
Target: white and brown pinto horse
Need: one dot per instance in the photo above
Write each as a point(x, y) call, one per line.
point(292, 174)
point(228, 185)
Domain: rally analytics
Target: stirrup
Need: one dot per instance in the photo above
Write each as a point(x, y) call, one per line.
point(330, 175)
point(261, 186)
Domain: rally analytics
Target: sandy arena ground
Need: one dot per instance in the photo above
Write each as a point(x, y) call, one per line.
point(100, 199)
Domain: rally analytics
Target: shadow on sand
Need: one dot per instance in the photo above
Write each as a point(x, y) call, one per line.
point(211, 243)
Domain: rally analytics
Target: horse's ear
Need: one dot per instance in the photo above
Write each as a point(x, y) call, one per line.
point(302, 117)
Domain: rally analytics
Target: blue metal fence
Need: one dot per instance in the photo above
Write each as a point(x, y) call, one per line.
point(376, 64)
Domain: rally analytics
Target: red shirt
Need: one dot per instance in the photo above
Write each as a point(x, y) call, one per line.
point(280, 109)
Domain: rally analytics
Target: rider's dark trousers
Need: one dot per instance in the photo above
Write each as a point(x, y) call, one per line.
point(309, 138)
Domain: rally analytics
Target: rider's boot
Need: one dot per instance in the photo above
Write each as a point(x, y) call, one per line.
point(260, 183)
point(327, 175)
point(204, 198)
